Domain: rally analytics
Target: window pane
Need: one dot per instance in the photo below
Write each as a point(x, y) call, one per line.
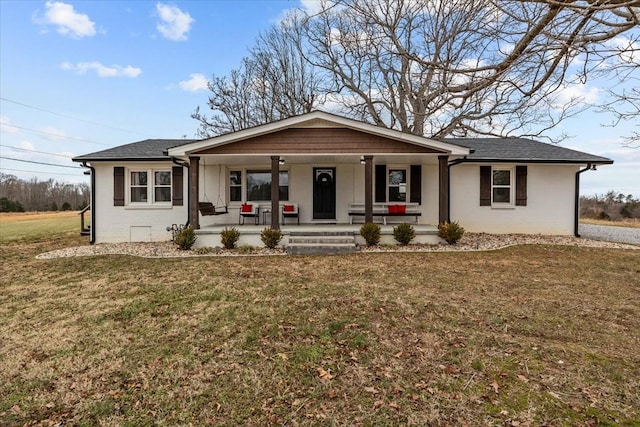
point(397, 195)
point(235, 178)
point(397, 176)
point(139, 194)
point(501, 177)
point(162, 178)
point(502, 195)
point(235, 194)
point(138, 178)
point(163, 194)
point(259, 185)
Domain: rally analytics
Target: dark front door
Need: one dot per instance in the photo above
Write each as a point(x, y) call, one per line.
point(324, 193)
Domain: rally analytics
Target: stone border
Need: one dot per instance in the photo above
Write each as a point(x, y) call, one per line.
point(470, 242)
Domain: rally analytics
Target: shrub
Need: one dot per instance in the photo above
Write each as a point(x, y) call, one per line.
point(404, 233)
point(270, 237)
point(371, 233)
point(450, 231)
point(246, 249)
point(185, 238)
point(229, 237)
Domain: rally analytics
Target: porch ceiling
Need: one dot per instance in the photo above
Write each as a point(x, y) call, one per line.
point(231, 159)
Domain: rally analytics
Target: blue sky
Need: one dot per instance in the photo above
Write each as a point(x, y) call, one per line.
point(78, 77)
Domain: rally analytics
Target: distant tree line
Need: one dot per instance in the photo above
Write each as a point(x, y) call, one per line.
point(611, 206)
point(18, 195)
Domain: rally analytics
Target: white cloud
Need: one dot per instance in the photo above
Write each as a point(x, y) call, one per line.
point(311, 6)
point(102, 70)
point(576, 93)
point(53, 134)
point(5, 126)
point(175, 23)
point(68, 21)
point(195, 83)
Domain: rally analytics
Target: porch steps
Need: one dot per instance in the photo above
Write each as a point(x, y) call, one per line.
point(321, 242)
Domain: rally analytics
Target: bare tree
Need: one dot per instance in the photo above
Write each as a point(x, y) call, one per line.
point(273, 82)
point(459, 67)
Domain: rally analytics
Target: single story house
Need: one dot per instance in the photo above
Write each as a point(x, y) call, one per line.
point(333, 171)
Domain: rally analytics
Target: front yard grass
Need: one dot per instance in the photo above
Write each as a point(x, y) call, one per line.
point(529, 335)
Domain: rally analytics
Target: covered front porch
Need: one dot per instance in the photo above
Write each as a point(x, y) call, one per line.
point(328, 169)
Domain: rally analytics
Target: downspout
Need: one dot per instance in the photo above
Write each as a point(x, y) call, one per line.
point(452, 163)
point(576, 218)
point(92, 239)
point(179, 162)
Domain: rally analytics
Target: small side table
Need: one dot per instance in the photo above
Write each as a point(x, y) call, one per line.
point(264, 215)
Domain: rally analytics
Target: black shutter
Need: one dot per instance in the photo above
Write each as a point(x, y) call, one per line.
point(415, 178)
point(118, 186)
point(381, 183)
point(177, 180)
point(485, 185)
point(521, 186)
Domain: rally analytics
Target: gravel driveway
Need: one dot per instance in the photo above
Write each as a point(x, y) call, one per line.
point(610, 233)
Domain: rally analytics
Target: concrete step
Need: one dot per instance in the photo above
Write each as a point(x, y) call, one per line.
point(321, 233)
point(320, 248)
point(321, 243)
point(321, 239)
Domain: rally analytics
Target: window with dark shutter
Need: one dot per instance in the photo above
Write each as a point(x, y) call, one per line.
point(415, 182)
point(118, 186)
point(521, 186)
point(485, 185)
point(178, 198)
point(381, 183)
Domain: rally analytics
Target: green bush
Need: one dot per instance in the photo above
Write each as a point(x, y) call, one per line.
point(371, 233)
point(229, 237)
point(270, 237)
point(186, 238)
point(246, 249)
point(450, 231)
point(404, 233)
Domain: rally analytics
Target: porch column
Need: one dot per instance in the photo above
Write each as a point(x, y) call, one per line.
point(194, 191)
point(443, 201)
point(368, 189)
point(275, 192)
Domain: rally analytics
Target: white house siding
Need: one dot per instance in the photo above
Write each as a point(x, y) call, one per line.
point(128, 223)
point(550, 202)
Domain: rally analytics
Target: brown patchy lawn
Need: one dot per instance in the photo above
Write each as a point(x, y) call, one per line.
point(530, 335)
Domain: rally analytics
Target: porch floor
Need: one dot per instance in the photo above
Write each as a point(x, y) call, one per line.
point(252, 229)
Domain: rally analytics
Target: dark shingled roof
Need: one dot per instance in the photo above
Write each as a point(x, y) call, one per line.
point(522, 149)
point(484, 150)
point(149, 149)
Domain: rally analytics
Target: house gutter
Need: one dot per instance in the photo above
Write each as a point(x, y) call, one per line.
point(576, 218)
point(184, 164)
point(92, 239)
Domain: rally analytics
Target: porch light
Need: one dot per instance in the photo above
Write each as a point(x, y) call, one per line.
point(593, 167)
point(281, 162)
point(362, 162)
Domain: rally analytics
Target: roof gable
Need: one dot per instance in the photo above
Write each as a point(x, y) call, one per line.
point(316, 119)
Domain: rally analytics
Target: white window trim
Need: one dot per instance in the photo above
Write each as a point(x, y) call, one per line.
point(151, 194)
point(512, 185)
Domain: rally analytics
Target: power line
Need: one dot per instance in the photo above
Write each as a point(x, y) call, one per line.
point(40, 172)
point(57, 135)
point(38, 163)
point(70, 117)
point(35, 151)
